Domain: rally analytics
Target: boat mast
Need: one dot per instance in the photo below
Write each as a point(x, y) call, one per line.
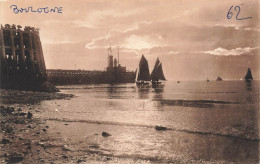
point(118, 54)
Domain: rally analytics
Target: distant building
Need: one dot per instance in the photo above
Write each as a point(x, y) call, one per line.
point(115, 62)
point(114, 73)
point(116, 67)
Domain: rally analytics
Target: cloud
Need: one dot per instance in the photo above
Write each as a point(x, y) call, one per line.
point(108, 18)
point(128, 36)
point(138, 42)
point(60, 42)
point(135, 26)
point(94, 43)
point(234, 52)
point(173, 53)
point(79, 23)
point(130, 51)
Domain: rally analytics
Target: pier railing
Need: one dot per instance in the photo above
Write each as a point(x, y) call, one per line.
point(69, 77)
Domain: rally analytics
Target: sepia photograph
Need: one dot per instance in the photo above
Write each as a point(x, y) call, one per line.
point(129, 81)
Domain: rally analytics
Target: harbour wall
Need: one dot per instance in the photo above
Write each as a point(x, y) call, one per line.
point(23, 65)
point(71, 77)
point(21, 55)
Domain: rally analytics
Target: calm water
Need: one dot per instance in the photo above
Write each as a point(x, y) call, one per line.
point(208, 121)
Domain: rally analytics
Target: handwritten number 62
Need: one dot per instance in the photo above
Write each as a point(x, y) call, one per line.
point(230, 14)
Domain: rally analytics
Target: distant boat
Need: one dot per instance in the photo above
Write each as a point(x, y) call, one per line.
point(178, 81)
point(219, 79)
point(157, 73)
point(207, 80)
point(143, 76)
point(248, 76)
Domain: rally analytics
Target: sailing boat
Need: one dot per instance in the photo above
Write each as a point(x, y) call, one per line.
point(143, 76)
point(219, 79)
point(248, 76)
point(157, 73)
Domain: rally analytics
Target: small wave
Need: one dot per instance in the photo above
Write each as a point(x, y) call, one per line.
point(218, 134)
point(95, 87)
point(152, 126)
point(100, 122)
point(68, 88)
point(108, 87)
point(213, 92)
point(194, 103)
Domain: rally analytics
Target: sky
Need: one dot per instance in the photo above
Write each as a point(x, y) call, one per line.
point(193, 39)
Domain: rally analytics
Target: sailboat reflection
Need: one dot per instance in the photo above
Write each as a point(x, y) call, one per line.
point(158, 92)
point(143, 91)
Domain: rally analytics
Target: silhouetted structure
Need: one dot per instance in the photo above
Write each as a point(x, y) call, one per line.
point(68, 77)
point(219, 79)
point(116, 67)
point(157, 73)
point(143, 76)
point(114, 73)
point(248, 76)
point(22, 61)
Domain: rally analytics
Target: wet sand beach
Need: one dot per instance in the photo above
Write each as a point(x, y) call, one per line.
point(192, 122)
point(25, 138)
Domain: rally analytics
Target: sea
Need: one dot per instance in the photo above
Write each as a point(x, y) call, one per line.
point(211, 122)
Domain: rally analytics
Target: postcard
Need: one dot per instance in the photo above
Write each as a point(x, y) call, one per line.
point(129, 81)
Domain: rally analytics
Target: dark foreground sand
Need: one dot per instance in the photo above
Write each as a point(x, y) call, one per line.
point(25, 138)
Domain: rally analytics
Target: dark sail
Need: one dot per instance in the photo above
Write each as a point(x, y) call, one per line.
point(157, 73)
point(219, 79)
point(143, 71)
point(160, 70)
point(248, 75)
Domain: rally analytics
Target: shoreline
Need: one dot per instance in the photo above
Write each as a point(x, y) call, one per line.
point(40, 139)
point(27, 139)
point(11, 97)
point(23, 137)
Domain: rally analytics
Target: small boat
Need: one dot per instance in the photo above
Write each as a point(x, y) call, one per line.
point(248, 77)
point(219, 79)
point(157, 73)
point(207, 80)
point(143, 76)
point(178, 81)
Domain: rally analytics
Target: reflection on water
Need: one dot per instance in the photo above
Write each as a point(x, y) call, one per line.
point(143, 91)
point(158, 92)
point(209, 121)
point(112, 92)
point(249, 85)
